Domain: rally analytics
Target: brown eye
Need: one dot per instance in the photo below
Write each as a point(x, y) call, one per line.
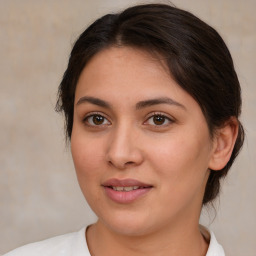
point(159, 120)
point(96, 120)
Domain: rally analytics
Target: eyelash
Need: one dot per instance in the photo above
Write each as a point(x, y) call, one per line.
point(93, 115)
point(161, 115)
point(150, 116)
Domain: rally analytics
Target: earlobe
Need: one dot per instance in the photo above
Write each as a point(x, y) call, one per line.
point(224, 141)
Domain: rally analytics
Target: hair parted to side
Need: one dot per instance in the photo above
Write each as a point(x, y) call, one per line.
point(194, 52)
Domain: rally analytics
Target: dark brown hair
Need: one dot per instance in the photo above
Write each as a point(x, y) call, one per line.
point(194, 52)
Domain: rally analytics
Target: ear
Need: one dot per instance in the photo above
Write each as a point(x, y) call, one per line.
point(224, 141)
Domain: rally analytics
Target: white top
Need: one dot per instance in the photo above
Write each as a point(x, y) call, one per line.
point(74, 244)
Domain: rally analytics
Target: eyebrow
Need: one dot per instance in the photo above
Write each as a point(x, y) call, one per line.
point(95, 101)
point(157, 101)
point(139, 105)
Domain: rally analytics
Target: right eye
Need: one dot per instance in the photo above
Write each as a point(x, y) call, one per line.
point(96, 120)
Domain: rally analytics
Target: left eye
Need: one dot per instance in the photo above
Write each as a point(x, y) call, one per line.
point(96, 120)
point(158, 120)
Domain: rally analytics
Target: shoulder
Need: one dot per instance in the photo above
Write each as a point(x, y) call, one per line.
point(68, 244)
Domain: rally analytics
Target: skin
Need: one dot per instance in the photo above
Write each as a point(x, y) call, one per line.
point(173, 156)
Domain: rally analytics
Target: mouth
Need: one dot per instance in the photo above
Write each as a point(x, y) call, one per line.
point(125, 191)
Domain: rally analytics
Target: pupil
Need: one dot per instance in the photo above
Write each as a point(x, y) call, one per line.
point(158, 120)
point(98, 119)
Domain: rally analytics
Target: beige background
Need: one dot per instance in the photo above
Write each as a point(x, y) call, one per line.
point(39, 195)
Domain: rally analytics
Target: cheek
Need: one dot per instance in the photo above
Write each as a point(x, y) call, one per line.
point(86, 157)
point(87, 160)
point(181, 159)
point(182, 172)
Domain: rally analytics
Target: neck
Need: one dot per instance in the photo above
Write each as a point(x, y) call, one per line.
point(176, 240)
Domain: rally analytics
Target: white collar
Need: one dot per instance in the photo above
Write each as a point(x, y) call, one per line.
point(214, 249)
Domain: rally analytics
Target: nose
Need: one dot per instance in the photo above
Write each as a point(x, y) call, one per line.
point(124, 150)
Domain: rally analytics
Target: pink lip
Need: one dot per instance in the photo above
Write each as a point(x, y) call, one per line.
point(125, 197)
point(124, 183)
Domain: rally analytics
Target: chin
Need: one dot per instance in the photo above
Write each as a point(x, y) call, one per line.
point(128, 224)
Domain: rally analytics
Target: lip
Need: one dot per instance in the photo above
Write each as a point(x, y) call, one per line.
point(125, 197)
point(124, 183)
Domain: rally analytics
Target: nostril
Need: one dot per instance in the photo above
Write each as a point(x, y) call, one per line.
point(129, 163)
point(123, 157)
point(121, 165)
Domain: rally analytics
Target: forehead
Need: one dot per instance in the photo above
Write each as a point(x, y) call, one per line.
point(121, 68)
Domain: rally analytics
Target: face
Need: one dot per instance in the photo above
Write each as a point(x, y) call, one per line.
point(140, 144)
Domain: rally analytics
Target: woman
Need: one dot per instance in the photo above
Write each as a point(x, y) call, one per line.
point(151, 102)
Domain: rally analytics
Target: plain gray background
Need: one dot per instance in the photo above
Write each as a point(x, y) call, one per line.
point(39, 194)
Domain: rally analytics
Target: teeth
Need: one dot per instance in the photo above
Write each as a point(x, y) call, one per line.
point(125, 188)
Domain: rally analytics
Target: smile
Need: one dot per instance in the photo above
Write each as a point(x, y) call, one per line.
point(125, 188)
point(125, 191)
